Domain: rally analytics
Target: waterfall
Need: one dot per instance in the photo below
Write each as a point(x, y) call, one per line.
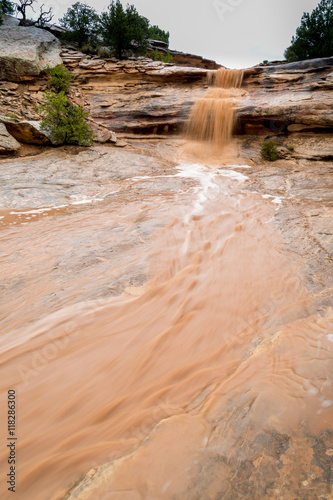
point(213, 116)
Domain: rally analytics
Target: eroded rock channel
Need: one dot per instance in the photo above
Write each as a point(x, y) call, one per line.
point(166, 310)
point(170, 319)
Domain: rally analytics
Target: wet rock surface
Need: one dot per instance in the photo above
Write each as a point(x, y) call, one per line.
point(7, 143)
point(81, 221)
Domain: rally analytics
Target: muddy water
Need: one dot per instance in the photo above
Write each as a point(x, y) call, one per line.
point(213, 118)
point(208, 377)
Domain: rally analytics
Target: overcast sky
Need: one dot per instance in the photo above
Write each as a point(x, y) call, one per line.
point(235, 33)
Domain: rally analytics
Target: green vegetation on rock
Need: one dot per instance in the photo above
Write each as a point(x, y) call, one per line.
point(65, 122)
point(269, 151)
point(314, 37)
point(59, 78)
point(158, 56)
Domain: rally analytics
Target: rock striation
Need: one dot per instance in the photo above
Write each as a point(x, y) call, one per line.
point(285, 98)
point(141, 96)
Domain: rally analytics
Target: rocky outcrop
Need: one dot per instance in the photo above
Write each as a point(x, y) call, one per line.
point(136, 96)
point(7, 143)
point(83, 65)
point(141, 96)
point(291, 97)
point(28, 132)
point(26, 51)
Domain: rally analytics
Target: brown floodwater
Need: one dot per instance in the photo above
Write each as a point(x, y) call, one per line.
point(212, 369)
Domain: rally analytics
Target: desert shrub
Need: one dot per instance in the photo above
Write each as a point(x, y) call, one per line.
point(65, 122)
point(11, 114)
point(104, 52)
point(157, 56)
point(291, 147)
point(59, 78)
point(269, 151)
point(166, 58)
point(89, 49)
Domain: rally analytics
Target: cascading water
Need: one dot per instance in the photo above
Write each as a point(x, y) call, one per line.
point(213, 116)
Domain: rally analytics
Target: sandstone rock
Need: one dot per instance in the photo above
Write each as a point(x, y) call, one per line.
point(91, 64)
point(298, 127)
point(113, 137)
point(28, 132)
point(26, 51)
point(8, 86)
point(121, 144)
point(111, 66)
point(177, 71)
point(7, 143)
point(291, 97)
point(102, 134)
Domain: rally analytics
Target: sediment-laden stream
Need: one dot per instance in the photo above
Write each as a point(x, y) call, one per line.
point(158, 333)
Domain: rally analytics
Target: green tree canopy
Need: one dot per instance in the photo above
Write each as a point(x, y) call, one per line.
point(6, 7)
point(81, 21)
point(157, 33)
point(124, 30)
point(314, 37)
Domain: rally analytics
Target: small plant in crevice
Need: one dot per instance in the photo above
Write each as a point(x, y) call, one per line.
point(290, 147)
point(166, 58)
point(269, 151)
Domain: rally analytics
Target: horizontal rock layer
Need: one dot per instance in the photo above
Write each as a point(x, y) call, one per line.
point(142, 96)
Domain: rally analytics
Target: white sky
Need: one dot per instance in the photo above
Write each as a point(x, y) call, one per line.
point(235, 33)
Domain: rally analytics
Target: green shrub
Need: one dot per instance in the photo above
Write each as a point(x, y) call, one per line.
point(59, 78)
point(166, 58)
point(155, 55)
point(104, 52)
point(291, 147)
point(269, 151)
point(89, 49)
point(10, 114)
point(65, 122)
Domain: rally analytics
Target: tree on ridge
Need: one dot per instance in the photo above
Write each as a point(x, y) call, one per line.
point(314, 37)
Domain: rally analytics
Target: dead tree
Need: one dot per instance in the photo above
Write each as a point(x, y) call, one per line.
point(44, 16)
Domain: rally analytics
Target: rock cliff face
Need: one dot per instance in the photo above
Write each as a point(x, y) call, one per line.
point(25, 52)
point(144, 96)
point(290, 97)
